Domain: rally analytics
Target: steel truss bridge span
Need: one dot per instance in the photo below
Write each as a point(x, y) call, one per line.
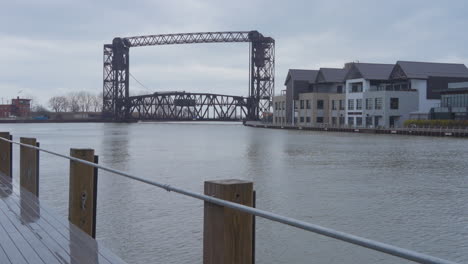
point(188, 106)
point(118, 104)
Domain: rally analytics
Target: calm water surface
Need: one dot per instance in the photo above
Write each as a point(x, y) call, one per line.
point(411, 192)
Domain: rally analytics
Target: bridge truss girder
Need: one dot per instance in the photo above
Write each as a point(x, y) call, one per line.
point(188, 106)
point(118, 104)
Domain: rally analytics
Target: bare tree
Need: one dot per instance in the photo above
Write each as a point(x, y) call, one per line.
point(58, 104)
point(74, 104)
point(97, 103)
point(39, 109)
point(54, 104)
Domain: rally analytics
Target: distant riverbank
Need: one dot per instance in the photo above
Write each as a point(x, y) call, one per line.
point(56, 121)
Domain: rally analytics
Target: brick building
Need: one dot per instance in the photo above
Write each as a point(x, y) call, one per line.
point(19, 108)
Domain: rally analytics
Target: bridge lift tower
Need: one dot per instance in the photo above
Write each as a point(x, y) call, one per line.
point(118, 104)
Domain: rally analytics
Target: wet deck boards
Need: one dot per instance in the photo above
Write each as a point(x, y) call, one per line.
point(31, 233)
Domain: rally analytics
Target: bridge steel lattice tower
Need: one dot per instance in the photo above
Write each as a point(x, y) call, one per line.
point(118, 103)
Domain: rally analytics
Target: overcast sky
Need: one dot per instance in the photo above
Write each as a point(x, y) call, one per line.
point(53, 47)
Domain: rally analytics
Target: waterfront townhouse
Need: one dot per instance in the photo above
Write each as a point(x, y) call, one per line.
point(321, 105)
point(361, 79)
point(285, 105)
point(378, 98)
point(365, 94)
point(428, 79)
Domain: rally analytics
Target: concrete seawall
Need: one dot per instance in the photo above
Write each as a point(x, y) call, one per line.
point(435, 132)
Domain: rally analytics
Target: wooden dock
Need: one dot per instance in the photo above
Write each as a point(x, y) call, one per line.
point(31, 233)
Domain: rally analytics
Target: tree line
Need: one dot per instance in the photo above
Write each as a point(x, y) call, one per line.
point(76, 102)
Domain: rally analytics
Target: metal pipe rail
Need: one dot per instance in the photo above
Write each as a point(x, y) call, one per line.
point(360, 241)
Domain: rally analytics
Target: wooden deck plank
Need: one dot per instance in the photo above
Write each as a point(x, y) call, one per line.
point(21, 237)
point(59, 253)
point(33, 237)
point(14, 255)
point(71, 232)
point(32, 233)
point(62, 246)
point(3, 256)
point(75, 234)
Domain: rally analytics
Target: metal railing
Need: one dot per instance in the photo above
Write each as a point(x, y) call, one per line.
point(353, 239)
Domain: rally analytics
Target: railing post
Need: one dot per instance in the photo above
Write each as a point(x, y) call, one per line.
point(6, 154)
point(29, 166)
point(228, 233)
point(83, 191)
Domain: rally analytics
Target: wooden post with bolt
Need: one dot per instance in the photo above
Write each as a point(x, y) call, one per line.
point(83, 191)
point(228, 233)
point(29, 166)
point(6, 153)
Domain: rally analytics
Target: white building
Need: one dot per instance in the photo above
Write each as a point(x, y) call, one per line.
point(375, 95)
point(361, 80)
point(428, 79)
point(386, 95)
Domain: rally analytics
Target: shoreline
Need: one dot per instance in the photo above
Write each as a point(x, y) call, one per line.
point(434, 132)
point(57, 121)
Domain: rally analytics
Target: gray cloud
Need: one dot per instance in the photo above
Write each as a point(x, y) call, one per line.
point(50, 47)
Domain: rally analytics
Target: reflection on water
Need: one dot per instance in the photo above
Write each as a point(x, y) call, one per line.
point(30, 207)
point(402, 190)
point(5, 186)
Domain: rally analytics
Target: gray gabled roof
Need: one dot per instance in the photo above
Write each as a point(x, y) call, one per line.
point(374, 71)
point(301, 75)
point(332, 75)
point(423, 70)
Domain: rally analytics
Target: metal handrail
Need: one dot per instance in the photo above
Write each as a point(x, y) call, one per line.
point(360, 241)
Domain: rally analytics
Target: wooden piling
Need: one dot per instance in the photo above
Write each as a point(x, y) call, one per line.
point(83, 191)
point(6, 153)
point(29, 166)
point(228, 233)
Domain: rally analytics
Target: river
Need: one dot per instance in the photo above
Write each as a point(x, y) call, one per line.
point(408, 191)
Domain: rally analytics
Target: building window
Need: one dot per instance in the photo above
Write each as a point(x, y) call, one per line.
point(350, 104)
point(341, 119)
point(356, 88)
point(295, 120)
point(319, 104)
point(302, 119)
point(369, 121)
point(308, 119)
point(393, 103)
point(333, 105)
point(302, 104)
point(296, 104)
point(284, 105)
point(369, 103)
point(334, 120)
point(358, 121)
point(351, 121)
point(319, 119)
point(339, 89)
point(358, 104)
point(378, 103)
point(308, 104)
point(341, 105)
